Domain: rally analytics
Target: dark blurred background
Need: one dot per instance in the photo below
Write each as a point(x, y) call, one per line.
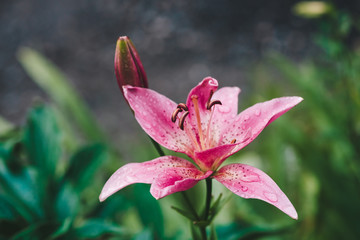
point(267, 48)
point(180, 43)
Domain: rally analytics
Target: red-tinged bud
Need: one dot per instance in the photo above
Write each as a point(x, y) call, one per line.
point(128, 67)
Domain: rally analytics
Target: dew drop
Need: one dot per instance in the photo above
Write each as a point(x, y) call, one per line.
point(250, 178)
point(244, 189)
point(224, 109)
point(270, 196)
point(257, 112)
point(147, 125)
point(246, 117)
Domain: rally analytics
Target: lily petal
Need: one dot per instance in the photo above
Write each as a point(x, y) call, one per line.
point(153, 112)
point(250, 182)
point(199, 116)
point(250, 123)
point(166, 175)
point(202, 91)
point(209, 158)
point(223, 114)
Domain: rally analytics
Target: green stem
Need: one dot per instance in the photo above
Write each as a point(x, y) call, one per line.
point(188, 202)
point(157, 147)
point(207, 207)
point(208, 197)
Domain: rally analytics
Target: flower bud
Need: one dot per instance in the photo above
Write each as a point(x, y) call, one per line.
point(128, 67)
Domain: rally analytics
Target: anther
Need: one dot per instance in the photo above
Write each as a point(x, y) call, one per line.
point(209, 99)
point(209, 103)
point(182, 106)
point(233, 141)
point(174, 114)
point(208, 107)
point(182, 120)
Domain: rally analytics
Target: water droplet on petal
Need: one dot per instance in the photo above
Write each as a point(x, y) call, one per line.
point(224, 109)
point(244, 189)
point(246, 117)
point(250, 178)
point(257, 112)
point(147, 125)
point(270, 196)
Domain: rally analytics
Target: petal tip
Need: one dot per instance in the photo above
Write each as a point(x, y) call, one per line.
point(210, 81)
point(298, 99)
point(292, 213)
point(102, 197)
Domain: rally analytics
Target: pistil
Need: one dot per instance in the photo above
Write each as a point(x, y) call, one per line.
point(194, 99)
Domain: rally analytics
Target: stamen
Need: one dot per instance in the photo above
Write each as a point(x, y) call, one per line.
point(208, 136)
point(182, 120)
point(213, 103)
point(210, 103)
point(209, 99)
point(194, 99)
point(183, 106)
point(233, 141)
point(175, 113)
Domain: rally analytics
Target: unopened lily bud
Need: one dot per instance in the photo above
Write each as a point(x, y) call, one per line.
point(128, 67)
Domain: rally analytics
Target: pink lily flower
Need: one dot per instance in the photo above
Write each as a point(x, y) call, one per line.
point(207, 129)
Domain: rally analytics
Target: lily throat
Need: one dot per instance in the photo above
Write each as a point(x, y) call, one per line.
point(201, 136)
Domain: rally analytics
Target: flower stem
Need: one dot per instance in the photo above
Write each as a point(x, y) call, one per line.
point(207, 207)
point(187, 200)
point(208, 198)
point(157, 147)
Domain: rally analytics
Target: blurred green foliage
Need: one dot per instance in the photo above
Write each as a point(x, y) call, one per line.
point(321, 147)
point(52, 168)
point(49, 171)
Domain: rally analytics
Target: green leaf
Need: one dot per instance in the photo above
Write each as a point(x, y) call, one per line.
point(95, 228)
point(54, 83)
point(235, 231)
point(63, 228)
point(21, 190)
point(7, 210)
point(113, 206)
point(217, 205)
point(146, 234)
point(38, 231)
point(67, 202)
point(42, 140)
point(84, 164)
point(213, 235)
point(149, 209)
point(185, 213)
point(195, 232)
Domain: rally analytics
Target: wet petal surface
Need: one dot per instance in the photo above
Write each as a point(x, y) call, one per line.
point(153, 112)
point(250, 123)
point(166, 175)
point(249, 182)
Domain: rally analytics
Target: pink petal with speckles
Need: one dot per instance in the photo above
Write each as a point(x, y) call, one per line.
point(153, 112)
point(223, 114)
point(208, 159)
point(250, 182)
point(202, 91)
point(250, 123)
point(166, 175)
